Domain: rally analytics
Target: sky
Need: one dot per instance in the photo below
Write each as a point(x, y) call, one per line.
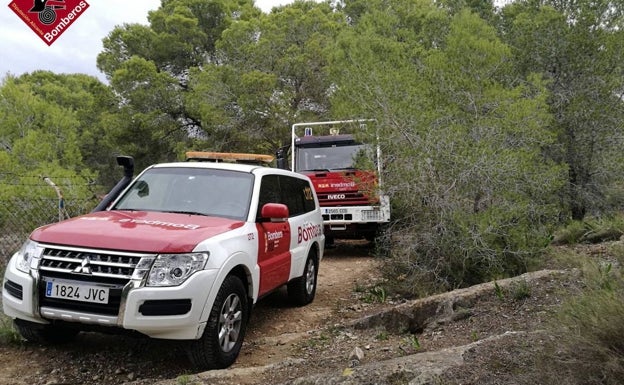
point(76, 50)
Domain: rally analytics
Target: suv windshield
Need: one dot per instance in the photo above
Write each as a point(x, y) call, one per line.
point(188, 190)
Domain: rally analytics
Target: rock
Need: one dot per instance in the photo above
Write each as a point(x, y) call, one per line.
point(356, 356)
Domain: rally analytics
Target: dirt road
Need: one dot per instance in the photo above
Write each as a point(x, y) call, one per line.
point(112, 359)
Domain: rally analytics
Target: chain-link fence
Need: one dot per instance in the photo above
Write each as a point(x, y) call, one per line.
point(20, 215)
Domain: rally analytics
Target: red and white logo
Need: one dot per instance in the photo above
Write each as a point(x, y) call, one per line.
point(48, 18)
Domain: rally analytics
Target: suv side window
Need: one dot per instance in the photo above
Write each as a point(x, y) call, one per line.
point(295, 193)
point(308, 196)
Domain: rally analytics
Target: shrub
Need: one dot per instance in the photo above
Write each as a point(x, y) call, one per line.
point(590, 331)
point(8, 334)
point(591, 230)
point(571, 233)
point(461, 250)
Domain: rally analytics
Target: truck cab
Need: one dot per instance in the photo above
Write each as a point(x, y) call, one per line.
point(346, 174)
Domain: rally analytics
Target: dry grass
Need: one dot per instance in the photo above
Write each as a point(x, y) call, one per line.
point(589, 329)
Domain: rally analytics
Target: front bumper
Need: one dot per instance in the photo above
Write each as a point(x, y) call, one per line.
point(18, 294)
point(158, 312)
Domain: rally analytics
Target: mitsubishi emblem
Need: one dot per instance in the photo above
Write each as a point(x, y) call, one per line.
point(84, 267)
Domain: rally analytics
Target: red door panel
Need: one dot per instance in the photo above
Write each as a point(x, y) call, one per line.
point(273, 254)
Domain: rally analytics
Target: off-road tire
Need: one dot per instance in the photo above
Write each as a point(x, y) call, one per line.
point(301, 291)
point(229, 314)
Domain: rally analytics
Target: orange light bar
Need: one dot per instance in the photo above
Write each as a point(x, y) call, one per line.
point(230, 157)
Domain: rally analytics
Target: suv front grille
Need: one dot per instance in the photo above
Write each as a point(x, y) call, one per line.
point(97, 263)
point(94, 267)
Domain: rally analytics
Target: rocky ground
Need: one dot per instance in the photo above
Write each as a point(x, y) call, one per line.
point(488, 334)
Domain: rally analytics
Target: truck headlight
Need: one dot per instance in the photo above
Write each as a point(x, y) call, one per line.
point(174, 269)
point(30, 251)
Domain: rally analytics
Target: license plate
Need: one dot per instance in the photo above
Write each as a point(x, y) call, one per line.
point(76, 292)
point(334, 211)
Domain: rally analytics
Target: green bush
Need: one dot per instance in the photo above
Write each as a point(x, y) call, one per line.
point(570, 234)
point(591, 230)
point(8, 334)
point(461, 250)
point(590, 331)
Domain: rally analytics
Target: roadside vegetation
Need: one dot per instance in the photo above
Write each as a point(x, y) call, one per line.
point(8, 334)
point(588, 328)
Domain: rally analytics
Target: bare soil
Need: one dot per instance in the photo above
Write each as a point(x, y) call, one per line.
point(286, 343)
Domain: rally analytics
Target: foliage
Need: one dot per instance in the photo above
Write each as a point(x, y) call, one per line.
point(374, 294)
point(185, 379)
point(590, 331)
point(498, 291)
point(218, 75)
point(50, 130)
point(272, 73)
point(473, 195)
point(8, 334)
point(577, 47)
point(149, 66)
point(43, 134)
point(571, 233)
point(520, 290)
point(591, 230)
point(412, 341)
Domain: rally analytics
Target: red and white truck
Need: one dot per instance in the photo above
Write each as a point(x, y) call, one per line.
point(182, 252)
point(346, 175)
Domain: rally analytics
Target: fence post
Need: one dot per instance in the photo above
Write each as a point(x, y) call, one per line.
point(61, 202)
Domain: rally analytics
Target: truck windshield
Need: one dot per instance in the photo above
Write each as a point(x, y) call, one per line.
point(188, 190)
point(333, 158)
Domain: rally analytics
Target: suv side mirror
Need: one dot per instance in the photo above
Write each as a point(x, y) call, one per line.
point(275, 212)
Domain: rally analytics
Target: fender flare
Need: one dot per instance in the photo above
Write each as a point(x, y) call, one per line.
point(236, 260)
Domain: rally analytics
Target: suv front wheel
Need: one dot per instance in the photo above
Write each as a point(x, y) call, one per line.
point(45, 334)
point(221, 342)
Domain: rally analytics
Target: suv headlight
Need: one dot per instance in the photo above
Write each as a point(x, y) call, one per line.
point(174, 269)
point(30, 250)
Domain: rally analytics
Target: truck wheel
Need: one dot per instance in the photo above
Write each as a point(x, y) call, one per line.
point(45, 334)
point(221, 342)
point(301, 290)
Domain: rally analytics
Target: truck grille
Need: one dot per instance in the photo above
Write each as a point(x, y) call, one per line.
point(345, 198)
point(95, 267)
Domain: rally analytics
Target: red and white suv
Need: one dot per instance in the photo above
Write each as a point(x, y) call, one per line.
point(182, 253)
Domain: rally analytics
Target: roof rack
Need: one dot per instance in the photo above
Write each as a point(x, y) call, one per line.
point(229, 157)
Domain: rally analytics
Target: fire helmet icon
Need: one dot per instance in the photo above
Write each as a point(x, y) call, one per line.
point(46, 10)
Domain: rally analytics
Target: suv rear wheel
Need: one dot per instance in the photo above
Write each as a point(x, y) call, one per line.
point(302, 290)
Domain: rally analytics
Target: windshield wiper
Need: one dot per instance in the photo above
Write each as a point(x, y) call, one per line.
point(188, 212)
